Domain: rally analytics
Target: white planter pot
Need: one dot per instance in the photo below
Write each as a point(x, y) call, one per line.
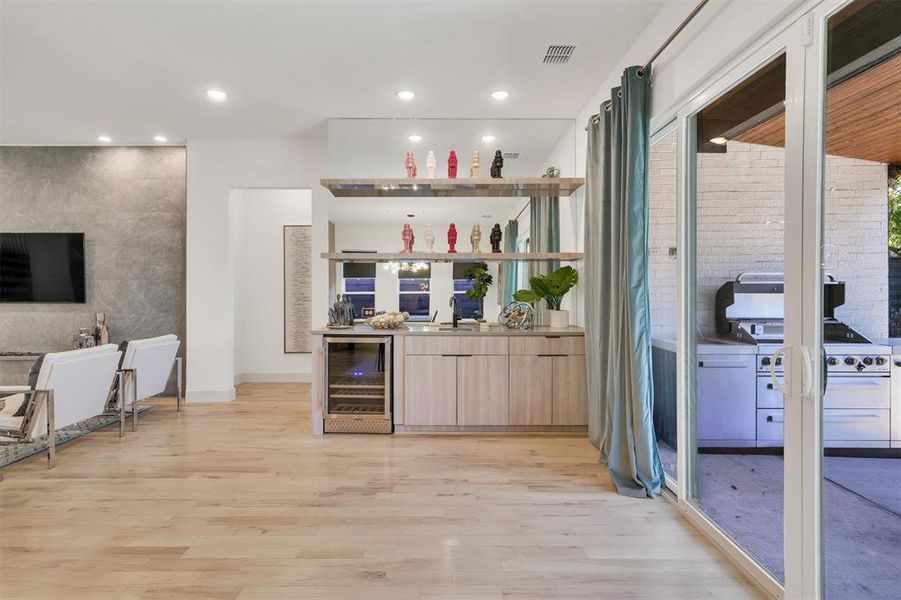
point(558, 318)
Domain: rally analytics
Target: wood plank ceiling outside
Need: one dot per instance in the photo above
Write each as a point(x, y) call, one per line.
point(863, 117)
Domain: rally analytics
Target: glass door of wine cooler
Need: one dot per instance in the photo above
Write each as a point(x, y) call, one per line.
point(358, 379)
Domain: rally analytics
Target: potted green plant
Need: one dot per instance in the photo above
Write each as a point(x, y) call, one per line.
point(551, 288)
point(481, 280)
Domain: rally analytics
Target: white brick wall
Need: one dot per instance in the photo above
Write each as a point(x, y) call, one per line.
point(741, 225)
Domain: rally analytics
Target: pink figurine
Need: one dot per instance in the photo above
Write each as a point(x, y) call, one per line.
point(452, 239)
point(410, 163)
point(408, 238)
point(452, 165)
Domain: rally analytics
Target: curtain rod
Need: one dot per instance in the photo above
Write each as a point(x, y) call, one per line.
point(644, 68)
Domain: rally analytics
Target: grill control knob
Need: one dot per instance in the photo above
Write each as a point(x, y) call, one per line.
point(778, 360)
point(850, 361)
point(832, 361)
point(765, 361)
point(880, 360)
point(868, 361)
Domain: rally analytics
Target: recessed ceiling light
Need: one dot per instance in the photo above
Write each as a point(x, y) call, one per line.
point(104, 138)
point(216, 95)
point(719, 140)
point(487, 138)
point(406, 95)
point(414, 138)
point(500, 95)
point(160, 138)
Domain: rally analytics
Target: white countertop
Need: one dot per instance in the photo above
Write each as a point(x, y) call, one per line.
point(441, 329)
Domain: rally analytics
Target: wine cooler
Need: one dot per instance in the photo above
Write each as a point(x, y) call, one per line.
point(358, 384)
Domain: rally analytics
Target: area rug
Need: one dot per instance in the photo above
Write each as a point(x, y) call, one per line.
point(10, 453)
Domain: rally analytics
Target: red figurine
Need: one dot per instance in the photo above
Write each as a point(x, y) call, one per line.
point(452, 239)
point(410, 164)
point(452, 165)
point(408, 238)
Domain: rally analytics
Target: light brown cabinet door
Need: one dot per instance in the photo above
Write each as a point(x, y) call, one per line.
point(531, 389)
point(430, 390)
point(570, 391)
point(483, 395)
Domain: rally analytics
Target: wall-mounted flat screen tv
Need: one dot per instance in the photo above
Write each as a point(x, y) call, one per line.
point(42, 267)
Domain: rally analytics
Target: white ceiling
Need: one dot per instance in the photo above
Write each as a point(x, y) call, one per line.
point(374, 148)
point(74, 69)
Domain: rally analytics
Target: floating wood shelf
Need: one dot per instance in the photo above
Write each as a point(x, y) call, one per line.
point(446, 257)
point(472, 188)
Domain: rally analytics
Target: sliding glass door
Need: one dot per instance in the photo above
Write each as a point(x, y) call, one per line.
point(790, 290)
point(743, 367)
point(788, 333)
point(740, 318)
point(856, 214)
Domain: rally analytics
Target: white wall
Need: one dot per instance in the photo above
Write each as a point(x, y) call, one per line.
point(713, 39)
point(215, 168)
point(257, 221)
point(386, 238)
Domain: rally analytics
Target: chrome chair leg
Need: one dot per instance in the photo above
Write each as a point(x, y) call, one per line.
point(51, 430)
point(178, 390)
point(134, 400)
point(121, 397)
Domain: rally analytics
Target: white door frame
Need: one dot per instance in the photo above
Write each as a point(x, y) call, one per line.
point(805, 544)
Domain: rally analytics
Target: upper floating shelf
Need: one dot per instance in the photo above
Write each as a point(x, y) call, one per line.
point(472, 188)
point(369, 257)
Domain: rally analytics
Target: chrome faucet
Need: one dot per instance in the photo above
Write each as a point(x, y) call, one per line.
point(455, 317)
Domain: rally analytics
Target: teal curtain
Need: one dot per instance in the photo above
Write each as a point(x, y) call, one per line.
point(617, 307)
point(544, 236)
point(507, 271)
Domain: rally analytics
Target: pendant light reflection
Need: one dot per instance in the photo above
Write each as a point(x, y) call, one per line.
point(406, 267)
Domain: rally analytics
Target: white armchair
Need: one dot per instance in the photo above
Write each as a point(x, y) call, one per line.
point(71, 387)
point(145, 372)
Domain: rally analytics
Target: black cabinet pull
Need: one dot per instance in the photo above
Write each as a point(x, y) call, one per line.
point(552, 337)
point(769, 386)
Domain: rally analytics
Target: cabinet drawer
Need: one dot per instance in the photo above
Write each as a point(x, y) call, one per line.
point(839, 425)
point(484, 345)
point(547, 344)
point(432, 344)
point(767, 395)
point(456, 344)
point(841, 392)
point(858, 392)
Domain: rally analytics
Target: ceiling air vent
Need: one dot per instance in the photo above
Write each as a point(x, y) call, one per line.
point(558, 55)
point(511, 155)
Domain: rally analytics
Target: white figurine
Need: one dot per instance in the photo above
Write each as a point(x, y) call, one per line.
point(475, 237)
point(430, 164)
point(474, 165)
point(429, 238)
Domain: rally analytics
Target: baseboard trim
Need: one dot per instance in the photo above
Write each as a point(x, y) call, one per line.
point(273, 378)
point(197, 396)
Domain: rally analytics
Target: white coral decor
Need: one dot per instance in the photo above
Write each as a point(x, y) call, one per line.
point(390, 320)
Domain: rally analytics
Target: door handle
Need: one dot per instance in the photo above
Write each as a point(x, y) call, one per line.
point(782, 388)
point(808, 370)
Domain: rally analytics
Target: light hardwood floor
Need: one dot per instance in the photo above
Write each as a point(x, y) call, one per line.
point(239, 501)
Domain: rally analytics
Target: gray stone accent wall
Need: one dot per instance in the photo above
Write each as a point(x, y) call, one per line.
point(130, 204)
